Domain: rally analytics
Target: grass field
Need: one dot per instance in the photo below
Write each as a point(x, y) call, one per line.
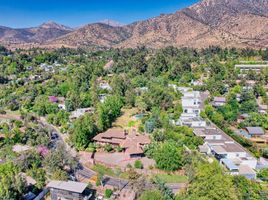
point(126, 120)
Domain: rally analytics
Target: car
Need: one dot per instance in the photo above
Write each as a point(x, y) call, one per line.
point(54, 136)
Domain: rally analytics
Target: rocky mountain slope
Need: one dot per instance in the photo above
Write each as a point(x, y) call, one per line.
point(36, 35)
point(227, 23)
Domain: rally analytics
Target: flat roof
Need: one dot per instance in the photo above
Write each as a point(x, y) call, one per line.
point(219, 149)
point(245, 169)
point(71, 186)
point(229, 164)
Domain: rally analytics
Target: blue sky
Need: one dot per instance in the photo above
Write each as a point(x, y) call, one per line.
point(74, 13)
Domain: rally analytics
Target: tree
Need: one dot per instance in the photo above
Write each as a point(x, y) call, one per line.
point(168, 156)
point(12, 185)
point(247, 189)
point(59, 159)
point(151, 195)
point(210, 182)
point(83, 132)
point(108, 111)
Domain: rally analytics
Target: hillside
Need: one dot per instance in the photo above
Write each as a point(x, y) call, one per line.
point(227, 23)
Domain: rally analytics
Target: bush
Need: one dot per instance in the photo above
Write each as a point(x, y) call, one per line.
point(108, 193)
point(2, 112)
point(265, 152)
point(138, 164)
point(108, 148)
point(263, 174)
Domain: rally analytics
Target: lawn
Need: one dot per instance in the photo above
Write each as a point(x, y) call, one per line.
point(172, 178)
point(126, 120)
point(103, 170)
point(109, 172)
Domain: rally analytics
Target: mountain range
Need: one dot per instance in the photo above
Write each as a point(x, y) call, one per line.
point(226, 23)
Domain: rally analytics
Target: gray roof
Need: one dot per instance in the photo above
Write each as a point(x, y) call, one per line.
point(220, 99)
point(245, 169)
point(255, 130)
point(229, 164)
point(68, 186)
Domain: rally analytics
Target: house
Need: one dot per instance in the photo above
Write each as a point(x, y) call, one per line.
point(194, 122)
point(230, 166)
point(80, 112)
point(114, 136)
point(21, 148)
point(60, 190)
point(263, 108)
point(105, 86)
point(255, 131)
point(247, 67)
point(102, 97)
point(247, 171)
point(197, 83)
point(131, 143)
point(219, 101)
point(108, 66)
point(47, 68)
point(239, 169)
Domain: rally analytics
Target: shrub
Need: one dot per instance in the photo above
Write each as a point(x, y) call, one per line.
point(108, 193)
point(108, 148)
point(138, 164)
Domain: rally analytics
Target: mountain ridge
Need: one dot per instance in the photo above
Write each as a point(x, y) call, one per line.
point(226, 23)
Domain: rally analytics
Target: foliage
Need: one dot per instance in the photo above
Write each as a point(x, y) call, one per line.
point(151, 195)
point(263, 174)
point(138, 164)
point(108, 111)
point(12, 185)
point(83, 132)
point(168, 156)
point(210, 182)
point(108, 193)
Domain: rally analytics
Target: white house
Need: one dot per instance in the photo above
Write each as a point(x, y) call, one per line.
point(196, 122)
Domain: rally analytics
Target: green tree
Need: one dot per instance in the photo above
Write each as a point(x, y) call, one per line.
point(84, 130)
point(211, 183)
point(168, 156)
point(12, 185)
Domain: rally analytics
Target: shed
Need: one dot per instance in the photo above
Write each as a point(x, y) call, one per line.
point(255, 130)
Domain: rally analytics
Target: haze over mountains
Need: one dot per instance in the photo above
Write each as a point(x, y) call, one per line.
point(227, 23)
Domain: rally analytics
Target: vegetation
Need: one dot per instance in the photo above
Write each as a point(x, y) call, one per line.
point(151, 195)
point(140, 80)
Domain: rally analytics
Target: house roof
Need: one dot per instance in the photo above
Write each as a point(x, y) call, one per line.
point(229, 164)
point(255, 130)
point(219, 149)
point(71, 186)
point(113, 136)
point(245, 169)
point(113, 133)
point(220, 99)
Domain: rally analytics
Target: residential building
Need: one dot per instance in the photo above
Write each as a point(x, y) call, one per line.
point(60, 190)
point(255, 132)
point(80, 112)
point(247, 67)
point(104, 85)
point(132, 143)
point(219, 101)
